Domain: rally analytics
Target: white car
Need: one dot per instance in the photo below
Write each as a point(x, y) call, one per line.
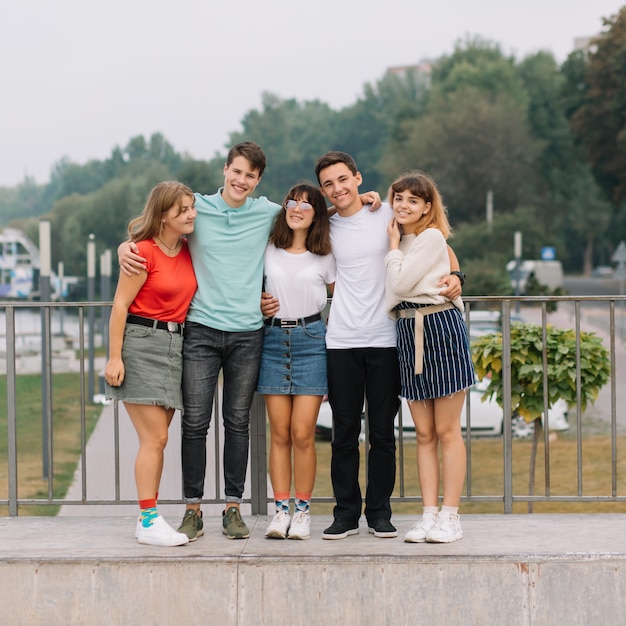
point(486, 418)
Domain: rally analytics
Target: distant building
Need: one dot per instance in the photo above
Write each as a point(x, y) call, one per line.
point(421, 70)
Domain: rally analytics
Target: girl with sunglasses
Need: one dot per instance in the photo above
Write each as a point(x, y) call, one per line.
point(299, 269)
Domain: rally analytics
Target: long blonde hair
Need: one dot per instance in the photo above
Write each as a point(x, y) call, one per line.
point(421, 185)
point(162, 198)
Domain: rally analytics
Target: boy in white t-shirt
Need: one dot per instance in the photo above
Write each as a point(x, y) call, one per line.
point(361, 349)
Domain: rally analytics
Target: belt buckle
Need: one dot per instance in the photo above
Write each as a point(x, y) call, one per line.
point(288, 323)
point(172, 327)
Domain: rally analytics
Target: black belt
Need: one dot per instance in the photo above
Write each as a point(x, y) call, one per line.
point(292, 323)
point(172, 327)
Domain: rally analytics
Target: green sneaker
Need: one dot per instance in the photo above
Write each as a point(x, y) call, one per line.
point(192, 524)
point(232, 524)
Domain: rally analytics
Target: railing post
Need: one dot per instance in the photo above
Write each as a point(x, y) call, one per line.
point(506, 382)
point(258, 456)
point(11, 410)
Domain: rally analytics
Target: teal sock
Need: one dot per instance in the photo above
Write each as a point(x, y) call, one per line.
point(282, 505)
point(148, 512)
point(302, 505)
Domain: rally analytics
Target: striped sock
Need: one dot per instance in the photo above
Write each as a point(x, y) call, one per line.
point(148, 512)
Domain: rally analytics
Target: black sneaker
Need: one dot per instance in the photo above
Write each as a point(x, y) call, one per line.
point(382, 528)
point(340, 529)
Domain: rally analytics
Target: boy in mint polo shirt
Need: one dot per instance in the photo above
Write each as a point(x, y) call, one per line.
point(224, 329)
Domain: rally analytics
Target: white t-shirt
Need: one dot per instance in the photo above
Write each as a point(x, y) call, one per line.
point(358, 315)
point(298, 281)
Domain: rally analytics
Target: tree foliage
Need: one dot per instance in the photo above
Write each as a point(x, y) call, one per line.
point(548, 141)
point(599, 120)
point(527, 367)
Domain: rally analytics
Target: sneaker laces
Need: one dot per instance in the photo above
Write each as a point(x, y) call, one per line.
point(234, 516)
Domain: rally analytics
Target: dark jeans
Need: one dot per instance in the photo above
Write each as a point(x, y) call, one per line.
point(353, 374)
point(205, 352)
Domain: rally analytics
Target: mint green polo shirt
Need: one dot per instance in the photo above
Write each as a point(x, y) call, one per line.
point(227, 248)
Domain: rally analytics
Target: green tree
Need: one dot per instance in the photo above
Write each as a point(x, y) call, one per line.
point(293, 135)
point(528, 375)
point(599, 121)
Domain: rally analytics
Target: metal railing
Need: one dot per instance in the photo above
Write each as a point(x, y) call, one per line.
point(34, 329)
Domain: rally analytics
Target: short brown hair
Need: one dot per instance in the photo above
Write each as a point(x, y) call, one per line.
point(332, 158)
point(250, 151)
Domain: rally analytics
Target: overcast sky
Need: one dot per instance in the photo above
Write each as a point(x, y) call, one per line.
point(79, 78)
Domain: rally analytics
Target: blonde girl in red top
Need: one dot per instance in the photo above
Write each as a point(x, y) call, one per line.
point(144, 369)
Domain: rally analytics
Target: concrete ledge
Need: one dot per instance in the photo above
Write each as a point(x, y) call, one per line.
point(517, 569)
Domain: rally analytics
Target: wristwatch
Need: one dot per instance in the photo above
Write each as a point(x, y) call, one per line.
point(461, 276)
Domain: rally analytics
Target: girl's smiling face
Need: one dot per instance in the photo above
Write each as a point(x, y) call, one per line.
point(409, 209)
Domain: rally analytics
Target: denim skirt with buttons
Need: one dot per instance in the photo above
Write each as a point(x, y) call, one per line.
point(293, 361)
point(153, 364)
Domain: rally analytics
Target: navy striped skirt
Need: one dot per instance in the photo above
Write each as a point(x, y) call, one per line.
point(448, 365)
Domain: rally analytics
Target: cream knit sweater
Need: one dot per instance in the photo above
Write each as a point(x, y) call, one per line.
point(414, 270)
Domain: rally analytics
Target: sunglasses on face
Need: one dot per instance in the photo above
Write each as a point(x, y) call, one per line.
point(290, 205)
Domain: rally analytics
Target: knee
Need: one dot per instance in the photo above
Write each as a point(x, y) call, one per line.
point(302, 438)
point(280, 438)
point(157, 440)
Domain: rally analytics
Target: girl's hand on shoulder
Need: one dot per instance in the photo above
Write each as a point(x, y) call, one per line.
point(393, 232)
point(128, 258)
point(373, 198)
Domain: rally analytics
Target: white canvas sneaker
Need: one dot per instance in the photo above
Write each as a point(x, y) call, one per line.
point(279, 525)
point(160, 534)
point(300, 526)
point(447, 529)
point(418, 532)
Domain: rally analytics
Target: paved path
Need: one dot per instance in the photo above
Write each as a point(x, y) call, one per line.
point(100, 470)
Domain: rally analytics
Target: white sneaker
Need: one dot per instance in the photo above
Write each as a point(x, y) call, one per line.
point(279, 525)
point(447, 529)
point(300, 526)
point(160, 534)
point(418, 532)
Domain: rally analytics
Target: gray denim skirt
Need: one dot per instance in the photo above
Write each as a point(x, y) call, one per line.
point(153, 363)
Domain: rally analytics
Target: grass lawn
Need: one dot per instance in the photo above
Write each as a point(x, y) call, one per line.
point(66, 438)
point(486, 458)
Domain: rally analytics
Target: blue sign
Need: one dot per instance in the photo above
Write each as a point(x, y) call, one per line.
point(548, 253)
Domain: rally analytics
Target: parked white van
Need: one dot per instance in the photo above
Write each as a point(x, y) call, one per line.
point(548, 273)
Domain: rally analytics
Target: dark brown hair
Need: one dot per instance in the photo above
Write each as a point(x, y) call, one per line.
point(251, 151)
point(318, 237)
point(332, 158)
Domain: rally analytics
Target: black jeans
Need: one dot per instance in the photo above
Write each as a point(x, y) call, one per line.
point(355, 374)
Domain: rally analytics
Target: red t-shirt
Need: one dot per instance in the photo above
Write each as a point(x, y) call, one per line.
point(170, 286)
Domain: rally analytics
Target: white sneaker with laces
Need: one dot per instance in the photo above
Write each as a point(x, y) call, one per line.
point(160, 533)
point(300, 526)
point(279, 525)
point(447, 529)
point(418, 532)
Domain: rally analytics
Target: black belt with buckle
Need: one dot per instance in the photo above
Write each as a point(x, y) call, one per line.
point(172, 327)
point(292, 323)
